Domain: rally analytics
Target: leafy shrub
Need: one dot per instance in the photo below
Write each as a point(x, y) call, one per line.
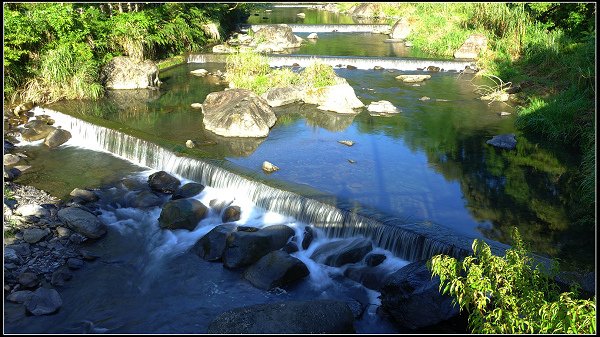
point(508, 295)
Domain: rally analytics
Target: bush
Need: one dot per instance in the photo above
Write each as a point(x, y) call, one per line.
point(509, 295)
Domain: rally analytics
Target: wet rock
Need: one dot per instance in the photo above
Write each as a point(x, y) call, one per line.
point(182, 214)
point(312, 36)
point(290, 247)
point(11, 173)
point(28, 280)
point(292, 317)
point(33, 210)
point(63, 232)
point(199, 72)
point(60, 276)
point(20, 296)
point(231, 214)
point(124, 72)
point(146, 199)
point(10, 159)
point(74, 263)
point(211, 246)
point(77, 238)
point(237, 113)
point(245, 248)
point(188, 190)
point(377, 68)
point(309, 235)
point(506, 141)
point(219, 205)
point(163, 182)
point(413, 78)
point(346, 142)
point(370, 277)
point(33, 235)
point(411, 296)
point(339, 253)
point(269, 167)
point(85, 195)
point(43, 302)
point(57, 137)
point(382, 107)
point(351, 67)
point(248, 229)
point(373, 260)
point(433, 69)
point(82, 222)
point(10, 256)
point(276, 269)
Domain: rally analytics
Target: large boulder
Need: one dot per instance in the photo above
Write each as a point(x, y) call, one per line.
point(280, 35)
point(412, 297)
point(293, 317)
point(401, 29)
point(282, 96)
point(276, 269)
point(212, 245)
point(82, 222)
point(370, 277)
point(124, 72)
point(163, 182)
point(57, 138)
point(182, 214)
point(245, 248)
point(188, 190)
point(43, 301)
point(339, 97)
point(471, 48)
point(339, 253)
point(237, 113)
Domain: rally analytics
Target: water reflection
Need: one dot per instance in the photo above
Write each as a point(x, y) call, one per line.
point(312, 16)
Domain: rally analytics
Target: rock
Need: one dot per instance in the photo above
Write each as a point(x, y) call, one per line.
point(504, 113)
point(339, 253)
point(219, 205)
point(86, 255)
point(373, 260)
point(231, 214)
point(63, 232)
point(281, 96)
point(33, 235)
point(382, 107)
point(268, 47)
point(190, 144)
point(187, 191)
point(82, 222)
point(124, 72)
point(20, 296)
point(413, 78)
point(308, 238)
point(211, 246)
point(22, 108)
point(346, 142)
point(146, 199)
point(276, 269)
point(57, 137)
point(85, 195)
point(248, 229)
point(31, 135)
point(74, 263)
point(77, 238)
point(163, 182)
point(10, 159)
point(367, 10)
point(351, 161)
point(370, 277)
point(182, 214)
point(433, 69)
point(469, 70)
point(290, 247)
point(43, 301)
point(10, 256)
point(60, 276)
point(291, 317)
point(401, 29)
point(506, 141)
point(33, 210)
point(471, 48)
point(268, 167)
point(196, 105)
point(377, 68)
point(411, 296)
point(237, 113)
point(28, 280)
point(339, 98)
point(245, 248)
point(11, 173)
point(199, 72)
point(312, 36)
point(223, 49)
point(301, 15)
point(280, 35)
point(424, 98)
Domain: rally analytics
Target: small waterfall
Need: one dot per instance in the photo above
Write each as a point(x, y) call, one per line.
point(408, 241)
point(359, 62)
point(348, 28)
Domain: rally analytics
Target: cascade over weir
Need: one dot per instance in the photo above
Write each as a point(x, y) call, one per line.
point(409, 241)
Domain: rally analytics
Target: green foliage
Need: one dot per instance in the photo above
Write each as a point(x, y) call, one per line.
point(317, 75)
point(509, 295)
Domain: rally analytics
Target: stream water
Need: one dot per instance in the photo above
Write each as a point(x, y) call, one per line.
point(416, 183)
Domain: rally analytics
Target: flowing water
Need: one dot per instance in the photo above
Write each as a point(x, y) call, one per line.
point(417, 183)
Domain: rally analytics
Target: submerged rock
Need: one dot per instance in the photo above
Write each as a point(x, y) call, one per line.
point(292, 317)
point(346, 142)
point(506, 141)
point(276, 269)
point(199, 72)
